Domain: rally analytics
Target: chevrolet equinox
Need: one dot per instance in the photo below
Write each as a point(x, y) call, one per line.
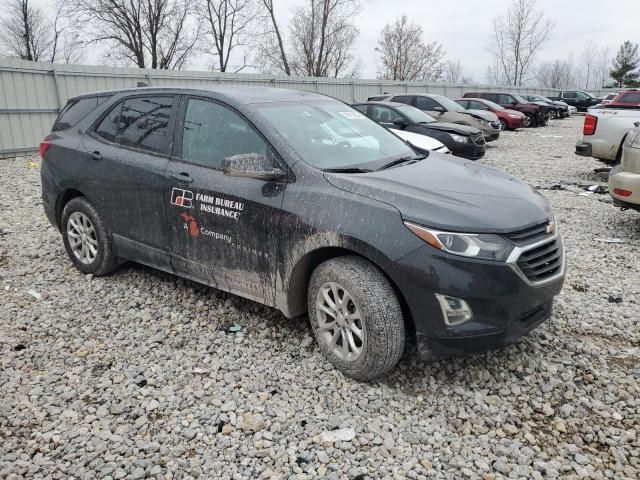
point(302, 203)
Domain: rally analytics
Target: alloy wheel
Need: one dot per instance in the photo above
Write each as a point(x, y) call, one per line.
point(82, 237)
point(340, 324)
point(503, 125)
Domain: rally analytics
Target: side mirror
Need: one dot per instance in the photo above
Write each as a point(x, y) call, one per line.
point(439, 109)
point(400, 122)
point(252, 165)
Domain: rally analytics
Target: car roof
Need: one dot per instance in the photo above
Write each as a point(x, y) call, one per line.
point(381, 102)
point(239, 94)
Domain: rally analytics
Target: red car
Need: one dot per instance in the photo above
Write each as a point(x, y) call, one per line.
point(626, 99)
point(509, 119)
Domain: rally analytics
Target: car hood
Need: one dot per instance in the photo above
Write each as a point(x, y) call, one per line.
point(418, 140)
point(489, 116)
point(453, 194)
point(452, 128)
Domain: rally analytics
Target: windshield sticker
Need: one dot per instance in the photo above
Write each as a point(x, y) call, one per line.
point(352, 115)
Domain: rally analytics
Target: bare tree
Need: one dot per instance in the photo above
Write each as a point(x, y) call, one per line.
point(518, 37)
point(556, 74)
point(26, 33)
point(588, 60)
point(150, 33)
point(322, 36)
point(404, 54)
point(270, 43)
point(602, 68)
point(229, 23)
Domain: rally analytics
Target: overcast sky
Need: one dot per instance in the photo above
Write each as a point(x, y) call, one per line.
point(464, 28)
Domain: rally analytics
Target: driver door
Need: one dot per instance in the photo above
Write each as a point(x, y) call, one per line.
point(224, 229)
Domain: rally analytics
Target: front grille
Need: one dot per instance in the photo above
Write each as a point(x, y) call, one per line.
point(542, 262)
point(529, 235)
point(495, 125)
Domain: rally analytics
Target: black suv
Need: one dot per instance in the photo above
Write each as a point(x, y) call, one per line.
point(300, 202)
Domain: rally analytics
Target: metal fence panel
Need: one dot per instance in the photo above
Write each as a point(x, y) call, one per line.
point(31, 93)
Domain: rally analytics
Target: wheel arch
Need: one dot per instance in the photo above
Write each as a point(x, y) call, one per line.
point(298, 282)
point(62, 200)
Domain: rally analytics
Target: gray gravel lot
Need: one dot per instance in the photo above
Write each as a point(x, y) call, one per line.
point(134, 375)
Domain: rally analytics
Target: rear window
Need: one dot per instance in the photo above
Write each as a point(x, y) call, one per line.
point(141, 122)
point(75, 111)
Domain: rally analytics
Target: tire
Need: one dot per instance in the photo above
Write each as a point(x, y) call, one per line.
point(98, 258)
point(530, 121)
point(503, 125)
point(372, 300)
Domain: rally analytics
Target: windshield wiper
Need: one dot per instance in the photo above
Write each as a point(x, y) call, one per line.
point(400, 161)
point(346, 170)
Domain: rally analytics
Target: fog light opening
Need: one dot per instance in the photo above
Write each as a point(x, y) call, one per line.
point(455, 310)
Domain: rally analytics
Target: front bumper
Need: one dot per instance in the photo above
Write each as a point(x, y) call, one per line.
point(470, 151)
point(505, 305)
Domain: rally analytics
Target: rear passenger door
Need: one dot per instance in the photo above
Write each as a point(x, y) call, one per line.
point(224, 229)
point(125, 156)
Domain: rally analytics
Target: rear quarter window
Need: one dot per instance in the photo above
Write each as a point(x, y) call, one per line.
point(632, 97)
point(76, 110)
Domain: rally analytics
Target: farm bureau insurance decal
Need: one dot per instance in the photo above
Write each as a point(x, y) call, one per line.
point(219, 206)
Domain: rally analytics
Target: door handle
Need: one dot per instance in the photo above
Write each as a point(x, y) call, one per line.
point(181, 177)
point(95, 155)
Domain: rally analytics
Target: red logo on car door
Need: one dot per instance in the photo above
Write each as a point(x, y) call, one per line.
point(191, 224)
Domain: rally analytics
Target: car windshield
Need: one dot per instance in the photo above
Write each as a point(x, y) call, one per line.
point(332, 135)
point(448, 104)
point(415, 114)
point(493, 105)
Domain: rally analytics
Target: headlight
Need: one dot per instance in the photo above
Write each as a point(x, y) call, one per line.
point(485, 246)
point(484, 122)
point(459, 138)
point(633, 140)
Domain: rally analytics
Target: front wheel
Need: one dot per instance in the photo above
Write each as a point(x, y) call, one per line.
point(530, 121)
point(503, 125)
point(356, 317)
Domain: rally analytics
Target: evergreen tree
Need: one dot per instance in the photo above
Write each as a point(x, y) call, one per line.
point(625, 65)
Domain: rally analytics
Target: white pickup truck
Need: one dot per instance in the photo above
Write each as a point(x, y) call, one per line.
point(604, 132)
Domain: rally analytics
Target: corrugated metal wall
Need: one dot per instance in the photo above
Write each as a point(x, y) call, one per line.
point(31, 93)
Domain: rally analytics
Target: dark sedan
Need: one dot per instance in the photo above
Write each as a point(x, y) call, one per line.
point(463, 141)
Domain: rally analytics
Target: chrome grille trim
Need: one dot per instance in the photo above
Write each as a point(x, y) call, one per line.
point(539, 258)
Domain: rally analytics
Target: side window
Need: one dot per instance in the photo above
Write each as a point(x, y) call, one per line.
point(570, 95)
point(505, 99)
point(406, 99)
point(492, 97)
point(478, 106)
point(75, 111)
point(464, 103)
point(141, 123)
point(213, 132)
point(384, 114)
point(426, 103)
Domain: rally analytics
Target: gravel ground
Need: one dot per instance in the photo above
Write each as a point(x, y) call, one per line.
point(134, 375)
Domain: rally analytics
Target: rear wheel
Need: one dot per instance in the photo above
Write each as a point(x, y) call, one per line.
point(86, 239)
point(356, 317)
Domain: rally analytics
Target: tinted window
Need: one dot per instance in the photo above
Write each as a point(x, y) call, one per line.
point(361, 108)
point(493, 97)
point(384, 114)
point(426, 103)
point(505, 99)
point(379, 97)
point(570, 95)
point(75, 111)
point(629, 98)
point(463, 103)
point(407, 99)
point(141, 123)
point(213, 132)
point(477, 106)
